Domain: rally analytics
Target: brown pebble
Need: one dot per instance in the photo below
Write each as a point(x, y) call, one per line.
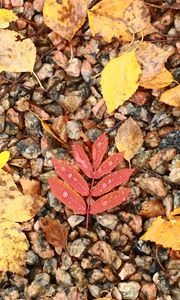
point(148, 291)
point(153, 208)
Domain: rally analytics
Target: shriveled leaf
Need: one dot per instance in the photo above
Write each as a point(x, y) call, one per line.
point(82, 160)
point(48, 129)
point(110, 181)
point(55, 233)
point(63, 192)
point(109, 201)
point(163, 79)
point(119, 80)
point(14, 206)
point(129, 138)
point(165, 233)
point(4, 157)
point(6, 16)
point(71, 176)
point(171, 96)
point(13, 247)
point(106, 20)
point(108, 165)
point(99, 149)
point(136, 16)
point(16, 55)
point(152, 59)
point(65, 17)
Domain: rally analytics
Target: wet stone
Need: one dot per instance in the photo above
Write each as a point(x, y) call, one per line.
point(29, 148)
point(73, 130)
point(129, 290)
point(171, 140)
point(78, 247)
point(127, 271)
point(75, 220)
point(50, 266)
point(109, 221)
point(63, 277)
point(32, 124)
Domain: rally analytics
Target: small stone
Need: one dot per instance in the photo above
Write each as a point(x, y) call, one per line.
point(162, 282)
point(14, 117)
point(153, 186)
point(171, 140)
point(28, 148)
point(32, 124)
point(99, 109)
point(177, 22)
point(153, 208)
point(142, 247)
point(75, 220)
point(50, 266)
point(94, 290)
point(73, 130)
point(16, 3)
point(2, 122)
point(129, 290)
point(79, 276)
point(86, 71)
point(78, 247)
point(32, 258)
point(38, 5)
point(74, 67)
point(96, 276)
point(66, 261)
point(46, 71)
point(63, 277)
point(148, 291)
point(108, 220)
point(72, 102)
point(43, 279)
point(103, 251)
point(127, 271)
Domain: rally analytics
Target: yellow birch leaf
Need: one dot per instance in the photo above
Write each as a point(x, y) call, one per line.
point(16, 55)
point(171, 96)
point(65, 17)
point(129, 138)
point(175, 214)
point(14, 206)
point(4, 157)
point(13, 247)
point(163, 79)
point(6, 16)
point(165, 233)
point(119, 80)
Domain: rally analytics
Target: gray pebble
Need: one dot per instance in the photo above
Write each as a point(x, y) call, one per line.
point(63, 277)
point(46, 71)
point(78, 247)
point(75, 220)
point(73, 130)
point(129, 290)
point(29, 148)
point(109, 221)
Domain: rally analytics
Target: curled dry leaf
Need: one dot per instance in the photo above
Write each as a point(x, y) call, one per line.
point(14, 206)
point(163, 79)
point(55, 233)
point(129, 138)
point(6, 16)
point(13, 247)
point(65, 17)
point(16, 55)
point(171, 96)
point(152, 59)
point(119, 80)
point(4, 157)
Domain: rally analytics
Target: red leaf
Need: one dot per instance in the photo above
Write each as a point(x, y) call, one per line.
point(71, 176)
point(67, 195)
point(109, 201)
point(108, 165)
point(110, 181)
point(99, 149)
point(82, 160)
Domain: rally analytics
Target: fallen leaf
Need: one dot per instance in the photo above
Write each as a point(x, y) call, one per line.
point(82, 160)
point(65, 17)
point(163, 79)
point(171, 96)
point(4, 157)
point(99, 149)
point(55, 233)
point(14, 206)
point(129, 138)
point(119, 80)
point(48, 129)
point(16, 55)
point(151, 59)
point(13, 247)
point(6, 16)
point(165, 233)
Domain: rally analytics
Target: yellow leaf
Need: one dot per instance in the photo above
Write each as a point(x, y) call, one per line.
point(165, 233)
point(13, 247)
point(14, 206)
point(171, 97)
point(174, 213)
point(16, 55)
point(6, 16)
point(119, 80)
point(129, 138)
point(4, 157)
point(65, 17)
point(163, 79)
point(152, 59)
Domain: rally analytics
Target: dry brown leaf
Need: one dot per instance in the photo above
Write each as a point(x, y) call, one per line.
point(129, 138)
point(14, 206)
point(152, 59)
point(16, 55)
point(13, 247)
point(55, 233)
point(47, 128)
point(163, 79)
point(65, 17)
point(151, 209)
point(171, 96)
